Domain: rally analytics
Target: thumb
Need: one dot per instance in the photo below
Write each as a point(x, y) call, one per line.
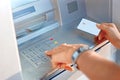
point(102, 26)
point(65, 66)
point(99, 26)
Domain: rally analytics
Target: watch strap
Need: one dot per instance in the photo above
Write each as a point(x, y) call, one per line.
point(78, 52)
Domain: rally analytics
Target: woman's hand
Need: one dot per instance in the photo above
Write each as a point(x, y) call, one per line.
point(110, 32)
point(61, 56)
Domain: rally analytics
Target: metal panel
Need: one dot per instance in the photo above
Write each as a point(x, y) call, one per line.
point(69, 10)
point(99, 10)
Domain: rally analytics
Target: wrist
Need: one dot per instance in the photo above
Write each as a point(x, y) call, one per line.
point(83, 59)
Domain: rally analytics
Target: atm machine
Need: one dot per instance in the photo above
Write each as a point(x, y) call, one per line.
point(41, 25)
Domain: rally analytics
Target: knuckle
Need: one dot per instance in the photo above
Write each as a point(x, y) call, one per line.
point(64, 44)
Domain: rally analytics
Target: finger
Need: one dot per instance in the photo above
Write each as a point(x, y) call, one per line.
point(101, 35)
point(99, 41)
point(105, 26)
point(95, 39)
point(50, 52)
point(69, 68)
point(65, 66)
point(108, 24)
point(98, 26)
point(100, 38)
point(102, 26)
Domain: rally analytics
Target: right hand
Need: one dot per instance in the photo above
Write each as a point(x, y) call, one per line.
point(110, 32)
point(61, 56)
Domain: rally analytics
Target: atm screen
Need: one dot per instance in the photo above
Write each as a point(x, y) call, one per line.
point(17, 3)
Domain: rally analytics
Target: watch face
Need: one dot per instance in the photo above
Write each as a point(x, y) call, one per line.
point(78, 52)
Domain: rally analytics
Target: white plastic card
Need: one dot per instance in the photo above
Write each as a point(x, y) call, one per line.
point(88, 26)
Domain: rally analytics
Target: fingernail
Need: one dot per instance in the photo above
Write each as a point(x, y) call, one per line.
point(65, 43)
point(69, 68)
point(97, 24)
point(99, 38)
point(46, 51)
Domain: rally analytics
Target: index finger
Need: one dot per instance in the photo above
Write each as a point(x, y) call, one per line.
point(49, 53)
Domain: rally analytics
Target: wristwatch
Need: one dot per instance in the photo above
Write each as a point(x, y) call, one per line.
point(78, 52)
point(84, 48)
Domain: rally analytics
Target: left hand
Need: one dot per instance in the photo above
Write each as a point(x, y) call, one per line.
point(109, 32)
point(61, 56)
